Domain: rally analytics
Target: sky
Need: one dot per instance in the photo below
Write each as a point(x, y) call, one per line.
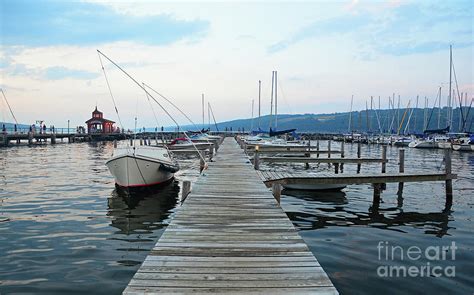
point(324, 52)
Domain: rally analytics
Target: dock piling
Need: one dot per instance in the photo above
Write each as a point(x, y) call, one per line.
point(384, 158)
point(317, 148)
point(358, 156)
point(186, 189)
point(276, 190)
point(256, 159)
point(342, 156)
point(115, 144)
point(401, 169)
point(449, 182)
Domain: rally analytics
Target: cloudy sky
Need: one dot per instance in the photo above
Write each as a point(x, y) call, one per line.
point(324, 52)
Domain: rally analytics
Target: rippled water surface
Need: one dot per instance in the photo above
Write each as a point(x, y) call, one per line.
point(63, 227)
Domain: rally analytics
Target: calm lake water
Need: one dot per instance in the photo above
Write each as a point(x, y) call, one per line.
point(70, 231)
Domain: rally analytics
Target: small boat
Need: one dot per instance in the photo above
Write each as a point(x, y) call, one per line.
point(317, 187)
point(140, 166)
point(424, 143)
point(464, 144)
point(185, 143)
point(403, 141)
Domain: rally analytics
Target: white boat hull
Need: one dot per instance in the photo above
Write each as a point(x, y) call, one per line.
point(141, 166)
point(314, 187)
point(463, 147)
point(444, 145)
point(130, 171)
point(423, 144)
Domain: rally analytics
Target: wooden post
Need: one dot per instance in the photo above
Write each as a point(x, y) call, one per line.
point(336, 168)
point(53, 138)
point(5, 140)
point(449, 182)
point(115, 143)
point(317, 147)
point(358, 156)
point(342, 155)
point(276, 190)
point(185, 190)
point(256, 159)
point(211, 151)
point(329, 148)
point(401, 169)
point(131, 141)
point(141, 141)
point(384, 158)
point(30, 138)
point(202, 163)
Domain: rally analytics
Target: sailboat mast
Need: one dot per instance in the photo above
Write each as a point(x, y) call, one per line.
point(202, 110)
point(439, 108)
point(251, 124)
point(350, 115)
point(271, 99)
point(276, 101)
point(259, 92)
point(450, 82)
point(416, 111)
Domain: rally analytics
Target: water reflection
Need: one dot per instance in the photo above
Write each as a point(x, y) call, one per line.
point(333, 197)
point(141, 211)
point(325, 209)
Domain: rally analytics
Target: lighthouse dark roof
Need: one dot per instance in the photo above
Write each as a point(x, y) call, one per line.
point(96, 111)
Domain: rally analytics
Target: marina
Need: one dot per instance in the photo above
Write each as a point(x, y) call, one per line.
point(127, 229)
point(314, 147)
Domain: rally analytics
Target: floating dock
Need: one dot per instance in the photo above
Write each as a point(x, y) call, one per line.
point(230, 236)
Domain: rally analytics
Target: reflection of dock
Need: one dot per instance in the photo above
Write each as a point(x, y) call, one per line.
point(435, 223)
point(230, 236)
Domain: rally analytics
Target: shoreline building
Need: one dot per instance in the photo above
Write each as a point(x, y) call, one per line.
point(97, 124)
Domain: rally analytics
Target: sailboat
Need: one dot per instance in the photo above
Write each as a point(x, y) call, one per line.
point(139, 166)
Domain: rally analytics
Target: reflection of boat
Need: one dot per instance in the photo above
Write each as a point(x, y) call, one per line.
point(143, 210)
point(335, 197)
point(142, 166)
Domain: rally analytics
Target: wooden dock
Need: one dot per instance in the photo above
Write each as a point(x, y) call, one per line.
point(230, 236)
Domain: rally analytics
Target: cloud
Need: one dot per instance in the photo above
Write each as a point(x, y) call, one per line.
point(337, 25)
point(43, 23)
point(50, 73)
point(56, 73)
point(402, 29)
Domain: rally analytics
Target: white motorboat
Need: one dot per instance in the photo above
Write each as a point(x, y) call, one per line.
point(403, 141)
point(424, 143)
point(464, 144)
point(184, 143)
point(317, 187)
point(140, 166)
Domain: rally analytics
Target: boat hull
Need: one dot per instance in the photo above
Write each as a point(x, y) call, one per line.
point(129, 171)
point(463, 147)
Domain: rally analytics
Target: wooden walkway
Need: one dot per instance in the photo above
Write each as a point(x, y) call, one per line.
point(270, 177)
point(230, 236)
